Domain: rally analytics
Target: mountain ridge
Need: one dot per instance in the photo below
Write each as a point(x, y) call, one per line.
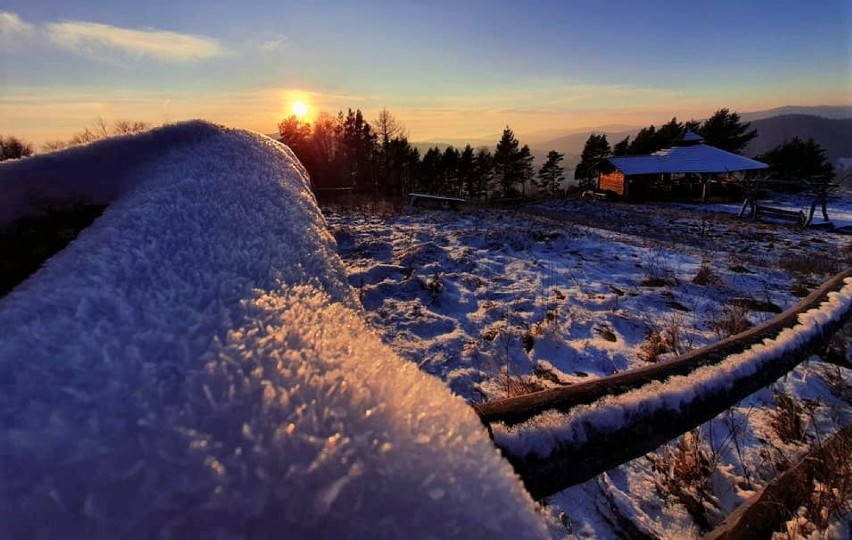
point(829, 125)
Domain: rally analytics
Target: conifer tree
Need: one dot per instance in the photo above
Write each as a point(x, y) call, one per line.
point(484, 174)
point(430, 171)
point(359, 143)
point(526, 172)
point(621, 147)
point(725, 130)
point(593, 161)
point(450, 184)
point(508, 167)
point(796, 159)
point(551, 174)
point(467, 171)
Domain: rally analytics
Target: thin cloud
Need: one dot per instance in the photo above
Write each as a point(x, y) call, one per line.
point(98, 39)
point(277, 44)
point(11, 24)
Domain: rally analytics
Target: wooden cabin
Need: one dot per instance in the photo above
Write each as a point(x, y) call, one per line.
point(689, 162)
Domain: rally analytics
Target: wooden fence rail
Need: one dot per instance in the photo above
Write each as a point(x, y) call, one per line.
point(518, 409)
point(649, 427)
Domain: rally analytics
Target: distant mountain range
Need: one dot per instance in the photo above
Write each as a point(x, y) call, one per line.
point(833, 134)
point(830, 126)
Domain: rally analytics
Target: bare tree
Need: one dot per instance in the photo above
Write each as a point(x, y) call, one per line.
point(101, 129)
point(123, 127)
point(55, 144)
point(389, 128)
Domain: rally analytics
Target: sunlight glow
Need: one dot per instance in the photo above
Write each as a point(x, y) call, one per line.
point(300, 109)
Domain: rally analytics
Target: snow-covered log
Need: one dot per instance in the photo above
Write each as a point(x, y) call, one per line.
point(194, 365)
point(555, 450)
point(518, 409)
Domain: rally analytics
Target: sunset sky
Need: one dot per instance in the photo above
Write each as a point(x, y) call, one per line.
point(446, 69)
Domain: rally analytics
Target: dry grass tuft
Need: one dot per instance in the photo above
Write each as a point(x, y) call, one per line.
point(808, 264)
point(686, 467)
point(706, 275)
point(731, 321)
point(655, 345)
point(519, 385)
point(786, 419)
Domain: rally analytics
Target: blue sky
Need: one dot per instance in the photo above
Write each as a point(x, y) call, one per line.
point(446, 69)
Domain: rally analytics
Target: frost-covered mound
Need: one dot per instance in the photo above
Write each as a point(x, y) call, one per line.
point(193, 365)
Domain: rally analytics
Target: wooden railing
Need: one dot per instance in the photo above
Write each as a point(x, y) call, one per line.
point(651, 425)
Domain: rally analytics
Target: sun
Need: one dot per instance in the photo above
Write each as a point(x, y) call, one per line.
point(300, 109)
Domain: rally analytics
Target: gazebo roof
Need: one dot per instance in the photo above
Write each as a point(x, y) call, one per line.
point(692, 157)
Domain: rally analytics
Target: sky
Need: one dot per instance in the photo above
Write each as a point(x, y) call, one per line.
point(445, 69)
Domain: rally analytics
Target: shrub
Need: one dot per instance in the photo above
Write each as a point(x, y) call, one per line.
point(731, 321)
point(706, 275)
point(14, 148)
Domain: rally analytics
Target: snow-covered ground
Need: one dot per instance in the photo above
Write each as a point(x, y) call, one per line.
point(497, 302)
point(197, 360)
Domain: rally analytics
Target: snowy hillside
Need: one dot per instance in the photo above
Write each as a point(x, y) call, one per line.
point(194, 365)
point(500, 303)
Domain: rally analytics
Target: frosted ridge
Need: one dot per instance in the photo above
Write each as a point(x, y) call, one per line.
point(547, 431)
point(193, 365)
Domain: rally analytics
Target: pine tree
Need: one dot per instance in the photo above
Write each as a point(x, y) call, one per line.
point(621, 147)
point(593, 161)
point(467, 171)
point(295, 134)
point(507, 171)
point(484, 174)
point(551, 174)
point(645, 142)
point(359, 143)
point(796, 159)
point(450, 184)
point(725, 130)
point(430, 171)
point(324, 159)
point(525, 170)
point(669, 134)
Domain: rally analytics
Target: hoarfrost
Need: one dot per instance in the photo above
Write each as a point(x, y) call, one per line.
point(193, 363)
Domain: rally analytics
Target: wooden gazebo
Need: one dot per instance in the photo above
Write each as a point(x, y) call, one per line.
point(690, 160)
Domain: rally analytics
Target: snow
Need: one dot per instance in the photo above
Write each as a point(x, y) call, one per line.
point(695, 158)
point(195, 364)
point(188, 366)
point(542, 435)
point(573, 274)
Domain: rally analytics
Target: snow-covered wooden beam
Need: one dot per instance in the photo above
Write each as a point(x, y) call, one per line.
point(521, 408)
point(194, 364)
point(555, 450)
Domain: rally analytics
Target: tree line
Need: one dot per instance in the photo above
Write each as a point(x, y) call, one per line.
point(346, 151)
point(793, 159)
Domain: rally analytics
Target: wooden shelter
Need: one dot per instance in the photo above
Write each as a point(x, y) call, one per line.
point(689, 162)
